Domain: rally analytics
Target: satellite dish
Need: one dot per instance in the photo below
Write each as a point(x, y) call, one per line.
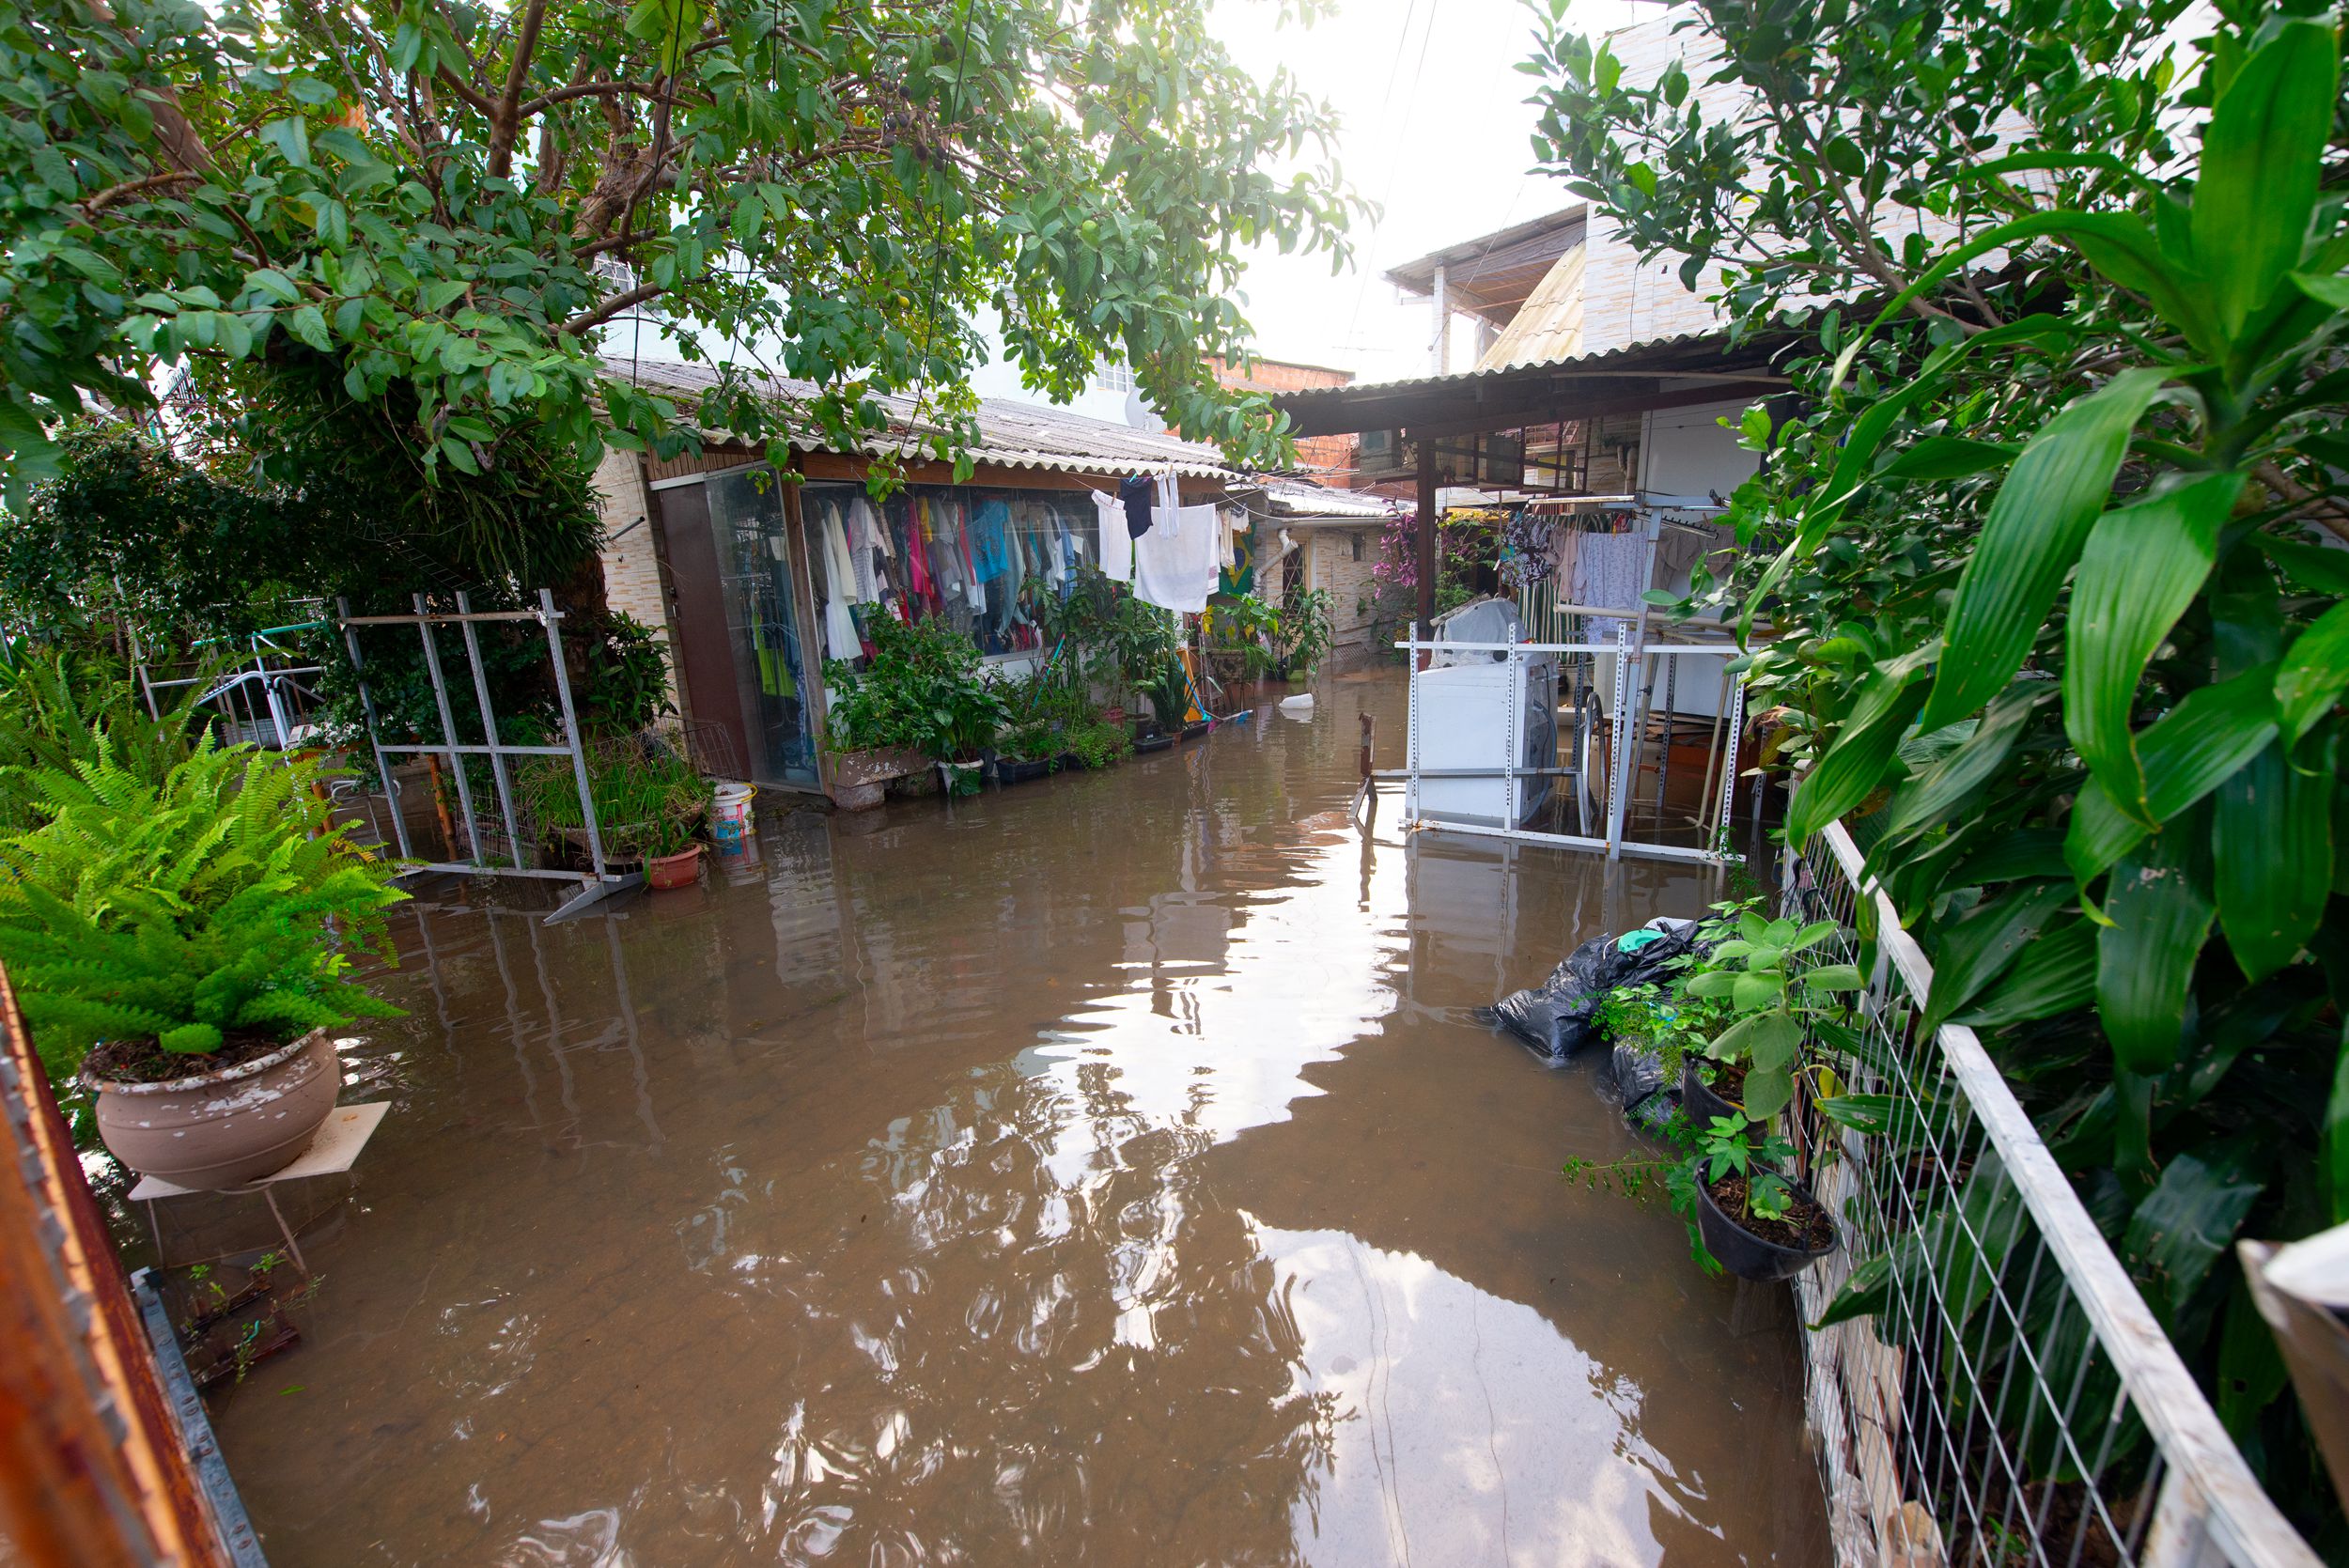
point(1141, 415)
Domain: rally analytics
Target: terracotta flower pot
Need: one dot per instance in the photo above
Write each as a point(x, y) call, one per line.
point(679, 870)
point(226, 1128)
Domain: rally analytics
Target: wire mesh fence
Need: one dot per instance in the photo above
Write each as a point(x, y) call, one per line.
point(1987, 1385)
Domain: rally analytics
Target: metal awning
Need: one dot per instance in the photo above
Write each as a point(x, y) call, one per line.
point(1663, 373)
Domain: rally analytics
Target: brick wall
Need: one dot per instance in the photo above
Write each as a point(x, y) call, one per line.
point(632, 565)
point(1330, 455)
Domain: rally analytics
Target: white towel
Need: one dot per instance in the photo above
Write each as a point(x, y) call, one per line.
point(1174, 562)
point(1117, 546)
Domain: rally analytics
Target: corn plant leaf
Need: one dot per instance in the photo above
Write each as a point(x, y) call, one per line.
point(2054, 975)
point(2336, 1163)
point(2262, 154)
point(2313, 672)
point(2188, 1219)
point(1855, 764)
point(2141, 567)
point(2312, 566)
point(2034, 533)
point(1946, 457)
point(2160, 916)
point(2213, 730)
point(1942, 788)
point(2272, 855)
point(1974, 950)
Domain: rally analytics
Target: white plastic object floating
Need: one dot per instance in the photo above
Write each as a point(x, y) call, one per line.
point(1299, 705)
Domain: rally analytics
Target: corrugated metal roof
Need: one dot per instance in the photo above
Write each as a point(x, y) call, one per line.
point(1643, 356)
point(1289, 499)
point(1011, 434)
point(1579, 385)
point(1549, 326)
point(1492, 274)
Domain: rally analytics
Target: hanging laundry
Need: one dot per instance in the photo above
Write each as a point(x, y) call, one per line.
point(1118, 545)
point(1614, 569)
point(990, 552)
point(1135, 495)
point(1174, 562)
point(840, 636)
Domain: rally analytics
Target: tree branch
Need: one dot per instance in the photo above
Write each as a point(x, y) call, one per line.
point(587, 320)
point(506, 120)
point(130, 188)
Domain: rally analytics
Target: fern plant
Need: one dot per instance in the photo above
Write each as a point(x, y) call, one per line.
point(221, 899)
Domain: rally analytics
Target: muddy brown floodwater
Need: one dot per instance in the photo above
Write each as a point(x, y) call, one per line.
point(1105, 1169)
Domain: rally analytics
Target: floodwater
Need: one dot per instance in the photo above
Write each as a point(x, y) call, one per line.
point(1106, 1169)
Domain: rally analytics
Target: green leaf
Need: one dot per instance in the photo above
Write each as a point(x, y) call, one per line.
point(269, 282)
point(1765, 1039)
point(1972, 951)
point(1750, 991)
point(309, 325)
point(2313, 672)
point(2213, 730)
point(2262, 155)
point(2033, 535)
point(1942, 788)
point(2312, 566)
point(290, 136)
point(2142, 566)
point(1835, 977)
point(2326, 289)
point(2160, 918)
point(2337, 1137)
point(460, 454)
point(2189, 1218)
point(2272, 855)
point(1767, 1091)
point(1712, 983)
point(1855, 764)
point(2054, 975)
point(1947, 458)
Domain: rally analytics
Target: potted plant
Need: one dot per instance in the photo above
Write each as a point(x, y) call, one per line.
point(1302, 635)
point(1099, 744)
point(1026, 750)
point(650, 802)
point(1756, 1221)
point(869, 729)
point(180, 946)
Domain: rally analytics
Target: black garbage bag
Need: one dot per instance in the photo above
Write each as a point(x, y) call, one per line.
point(1648, 1100)
point(1556, 1016)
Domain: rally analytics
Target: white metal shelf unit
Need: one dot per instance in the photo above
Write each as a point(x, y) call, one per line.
point(1628, 649)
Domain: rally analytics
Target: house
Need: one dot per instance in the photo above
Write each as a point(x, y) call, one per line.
point(751, 579)
point(1312, 538)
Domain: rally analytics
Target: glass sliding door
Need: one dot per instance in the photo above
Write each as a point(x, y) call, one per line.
point(759, 585)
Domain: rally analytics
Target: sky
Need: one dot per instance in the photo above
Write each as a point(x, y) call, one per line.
point(1436, 130)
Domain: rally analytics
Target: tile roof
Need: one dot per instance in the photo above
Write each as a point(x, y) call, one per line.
point(1011, 434)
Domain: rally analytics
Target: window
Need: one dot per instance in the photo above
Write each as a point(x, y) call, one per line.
point(980, 558)
point(1114, 375)
point(1356, 540)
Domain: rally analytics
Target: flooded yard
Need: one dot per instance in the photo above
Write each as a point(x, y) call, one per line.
point(1105, 1169)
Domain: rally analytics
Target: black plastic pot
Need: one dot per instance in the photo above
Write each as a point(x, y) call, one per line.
point(1071, 760)
point(1198, 729)
point(1010, 772)
point(1154, 742)
point(1746, 1255)
point(1699, 1102)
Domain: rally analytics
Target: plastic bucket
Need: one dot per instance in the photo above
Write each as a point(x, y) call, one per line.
point(730, 815)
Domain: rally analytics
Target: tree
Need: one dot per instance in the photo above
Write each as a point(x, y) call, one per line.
point(2041, 547)
point(435, 206)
